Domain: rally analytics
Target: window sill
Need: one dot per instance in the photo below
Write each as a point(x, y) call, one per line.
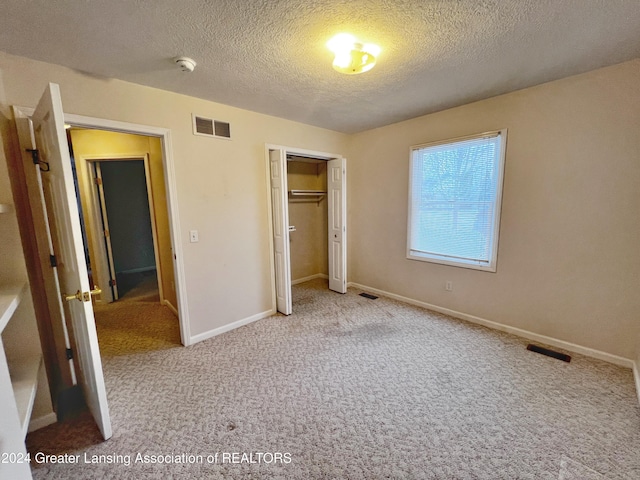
point(489, 267)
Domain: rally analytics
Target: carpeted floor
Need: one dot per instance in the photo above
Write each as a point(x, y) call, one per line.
point(352, 388)
point(136, 323)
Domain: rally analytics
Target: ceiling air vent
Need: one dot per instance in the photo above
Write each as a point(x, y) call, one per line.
point(211, 128)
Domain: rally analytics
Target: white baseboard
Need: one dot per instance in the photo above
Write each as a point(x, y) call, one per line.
point(572, 347)
point(310, 277)
point(171, 307)
point(636, 375)
point(41, 422)
point(231, 326)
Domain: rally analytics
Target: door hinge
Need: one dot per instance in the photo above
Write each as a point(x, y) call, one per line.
point(112, 283)
point(69, 354)
point(98, 181)
point(35, 155)
point(53, 261)
point(35, 158)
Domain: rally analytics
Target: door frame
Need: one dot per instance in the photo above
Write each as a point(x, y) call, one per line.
point(99, 247)
point(296, 152)
point(164, 134)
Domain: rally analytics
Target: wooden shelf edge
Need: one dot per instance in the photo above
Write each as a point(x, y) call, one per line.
point(24, 379)
point(10, 297)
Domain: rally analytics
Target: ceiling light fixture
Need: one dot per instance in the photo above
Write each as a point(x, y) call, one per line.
point(352, 56)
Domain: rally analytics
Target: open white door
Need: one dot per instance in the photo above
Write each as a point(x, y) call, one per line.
point(64, 221)
point(336, 191)
point(105, 229)
point(280, 209)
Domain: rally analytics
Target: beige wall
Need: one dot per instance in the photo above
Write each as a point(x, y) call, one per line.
point(221, 184)
point(309, 241)
point(97, 143)
point(567, 264)
point(12, 267)
point(569, 258)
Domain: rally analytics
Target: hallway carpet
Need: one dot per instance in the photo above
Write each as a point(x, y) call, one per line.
point(353, 388)
point(136, 323)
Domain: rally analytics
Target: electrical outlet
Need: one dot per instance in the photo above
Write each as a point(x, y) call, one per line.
point(193, 236)
point(448, 286)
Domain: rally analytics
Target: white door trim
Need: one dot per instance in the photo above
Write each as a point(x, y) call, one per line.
point(172, 196)
point(288, 151)
point(102, 261)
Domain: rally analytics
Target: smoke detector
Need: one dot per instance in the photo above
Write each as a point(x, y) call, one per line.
point(186, 64)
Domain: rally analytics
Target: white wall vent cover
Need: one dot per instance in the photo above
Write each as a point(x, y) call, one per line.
point(210, 128)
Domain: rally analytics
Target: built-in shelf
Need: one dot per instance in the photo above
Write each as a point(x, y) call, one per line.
point(24, 380)
point(24, 370)
point(5, 208)
point(10, 297)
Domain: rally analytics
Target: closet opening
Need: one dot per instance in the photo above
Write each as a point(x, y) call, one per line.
point(308, 223)
point(308, 220)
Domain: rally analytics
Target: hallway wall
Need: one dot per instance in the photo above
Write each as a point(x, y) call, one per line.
point(92, 143)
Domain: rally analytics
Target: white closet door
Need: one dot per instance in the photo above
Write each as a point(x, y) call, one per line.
point(280, 209)
point(66, 234)
point(337, 193)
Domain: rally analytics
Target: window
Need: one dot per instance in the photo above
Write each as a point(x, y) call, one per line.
point(455, 191)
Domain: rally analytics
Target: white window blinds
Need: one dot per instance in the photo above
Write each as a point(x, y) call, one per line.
point(454, 203)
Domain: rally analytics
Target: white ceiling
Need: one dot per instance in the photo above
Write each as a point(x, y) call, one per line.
point(270, 56)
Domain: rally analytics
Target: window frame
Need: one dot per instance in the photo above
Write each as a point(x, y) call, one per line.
point(492, 264)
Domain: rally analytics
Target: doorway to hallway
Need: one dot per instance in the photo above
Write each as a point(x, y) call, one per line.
point(129, 236)
point(120, 192)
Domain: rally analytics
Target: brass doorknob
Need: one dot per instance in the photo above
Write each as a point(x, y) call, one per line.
point(82, 296)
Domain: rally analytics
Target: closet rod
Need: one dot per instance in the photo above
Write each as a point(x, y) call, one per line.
point(306, 193)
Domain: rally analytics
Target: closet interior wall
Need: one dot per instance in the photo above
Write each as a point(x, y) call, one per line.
point(308, 215)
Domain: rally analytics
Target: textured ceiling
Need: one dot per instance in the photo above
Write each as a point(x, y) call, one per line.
point(270, 56)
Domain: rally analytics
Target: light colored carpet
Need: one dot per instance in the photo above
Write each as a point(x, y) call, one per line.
point(136, 323)
point(571, 470)
point(354, 388)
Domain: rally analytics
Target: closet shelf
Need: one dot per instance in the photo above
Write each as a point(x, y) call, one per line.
point(10, 297)
point(24, 379)
point(307, 195)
